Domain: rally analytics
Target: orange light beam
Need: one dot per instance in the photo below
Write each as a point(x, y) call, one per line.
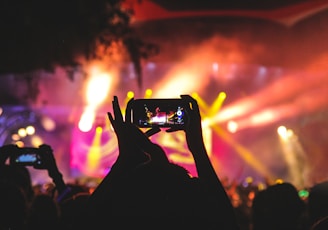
point(244, 153)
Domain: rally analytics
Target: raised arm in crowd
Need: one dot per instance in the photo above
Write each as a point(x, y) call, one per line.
point(145, 190)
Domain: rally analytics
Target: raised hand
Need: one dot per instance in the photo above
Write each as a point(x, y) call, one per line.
point(134, 145)
point(48, 162)
point(206, 173)
point(6, 151)
point(129, 153)
point(193, 128)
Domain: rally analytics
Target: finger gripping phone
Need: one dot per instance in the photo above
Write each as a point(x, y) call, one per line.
point(147, 113)
point(26, 156)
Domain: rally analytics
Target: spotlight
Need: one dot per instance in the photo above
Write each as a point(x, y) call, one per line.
point(130, 94)
point(98, 88)
point(232, 126)
point(36, 141)
point(22, 132)
point(86, 121)
point(48, 124)
point(282, 131)
point(15, 137)
point(30, 130)
point(20, 144)
point(148, 93)
point(99, 130)
point(279, 181)
point(215, 67)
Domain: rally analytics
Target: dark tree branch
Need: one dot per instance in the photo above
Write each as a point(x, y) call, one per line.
point(42, 34)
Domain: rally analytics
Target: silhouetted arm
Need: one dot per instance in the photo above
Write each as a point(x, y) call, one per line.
point(6, 151)
point(48, 162)
point(206, 173)
point(131, 155)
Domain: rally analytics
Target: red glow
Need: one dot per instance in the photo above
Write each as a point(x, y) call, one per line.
point(288, 15)
point(285, 98)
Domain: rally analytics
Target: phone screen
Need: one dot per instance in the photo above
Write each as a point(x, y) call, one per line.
point(158, 112)
point(26, 158)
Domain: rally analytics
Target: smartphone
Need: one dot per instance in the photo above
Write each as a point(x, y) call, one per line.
point(147, 113)
point(27, 157)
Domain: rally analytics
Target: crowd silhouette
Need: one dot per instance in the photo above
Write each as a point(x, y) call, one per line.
point(144, 190)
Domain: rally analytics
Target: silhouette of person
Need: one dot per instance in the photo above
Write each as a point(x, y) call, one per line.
point(318, 202)
point(145, 190)
point(278, 207)
point(21, 207)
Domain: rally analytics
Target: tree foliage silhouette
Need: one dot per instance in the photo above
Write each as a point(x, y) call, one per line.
point(40, 34)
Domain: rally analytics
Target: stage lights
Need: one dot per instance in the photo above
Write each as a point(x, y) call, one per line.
point(148, 93)
point(30, 130)
point(48, 123)
point(285, 133)
point(22, 132)
point(86, 120)
point(216, 105)
point(232, 126)
point(215, 67)
point(98, 88)
point(130, 94)
point(294, 156)
point(208, 112)
point(97, 91)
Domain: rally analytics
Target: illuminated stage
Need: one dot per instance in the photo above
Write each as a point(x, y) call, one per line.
point(242, 107)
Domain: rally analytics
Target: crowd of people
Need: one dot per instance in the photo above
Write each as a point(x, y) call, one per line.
point(144, 190)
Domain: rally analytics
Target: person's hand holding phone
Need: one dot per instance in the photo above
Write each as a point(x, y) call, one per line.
point(193, 129)
point(6, 151)
point(129, 153)
point(48, 162)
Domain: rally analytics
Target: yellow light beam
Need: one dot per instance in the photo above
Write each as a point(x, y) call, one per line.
point(148, 93)
point(244, 153)
point(201, 103)
point(94, 154)
point(129, 95)
point(216, 105)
